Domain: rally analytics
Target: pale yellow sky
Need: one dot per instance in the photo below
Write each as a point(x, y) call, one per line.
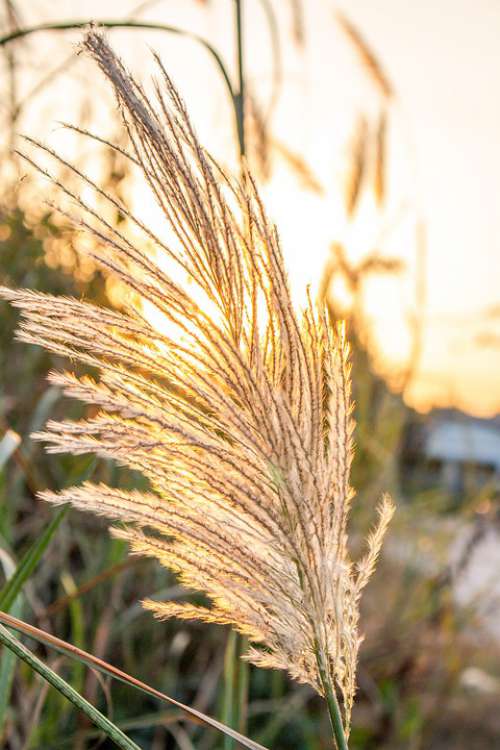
point(444, 61)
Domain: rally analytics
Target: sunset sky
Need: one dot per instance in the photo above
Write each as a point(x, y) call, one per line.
point(443, 162)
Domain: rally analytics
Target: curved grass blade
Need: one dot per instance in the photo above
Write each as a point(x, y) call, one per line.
point(113, 732)
point(8, 659)
point(125, 24)
point(29, 562)
point(108, 669)
point(35, 553)
point(7, 669)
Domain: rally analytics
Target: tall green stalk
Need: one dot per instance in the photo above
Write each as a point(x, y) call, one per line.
point(235, 693)
point(239, 96)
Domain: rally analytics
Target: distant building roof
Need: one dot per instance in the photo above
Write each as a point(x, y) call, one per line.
point(457, 437)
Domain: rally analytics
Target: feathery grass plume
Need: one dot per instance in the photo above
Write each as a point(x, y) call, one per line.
point(240, 420)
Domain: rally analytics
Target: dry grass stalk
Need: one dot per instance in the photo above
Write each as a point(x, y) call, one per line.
point(366, 55)
point(300, 168)
point(379, 178)
point(357, 165)
point(241, 423)
point(298, 25)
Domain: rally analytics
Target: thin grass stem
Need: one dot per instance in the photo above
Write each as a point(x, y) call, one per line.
point(230, 666)
point(332, 704)
point(242, 683)
point(239, 98)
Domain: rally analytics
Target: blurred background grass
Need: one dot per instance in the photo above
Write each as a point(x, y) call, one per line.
point(429, 675)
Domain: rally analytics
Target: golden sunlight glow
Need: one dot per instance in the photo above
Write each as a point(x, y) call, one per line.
point(325, 94)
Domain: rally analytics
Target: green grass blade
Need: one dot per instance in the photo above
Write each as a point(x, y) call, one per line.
point(235, 695)
point(35, 553)
point(229, 693)
point(18, 33)
point(243, 681)
point(113, 732)
point(77, 629)
point(29, 562)
point(8, 659)
point(108, 669)
point(7, 668)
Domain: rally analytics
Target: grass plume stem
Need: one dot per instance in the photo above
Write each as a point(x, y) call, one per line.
point(332, 703)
